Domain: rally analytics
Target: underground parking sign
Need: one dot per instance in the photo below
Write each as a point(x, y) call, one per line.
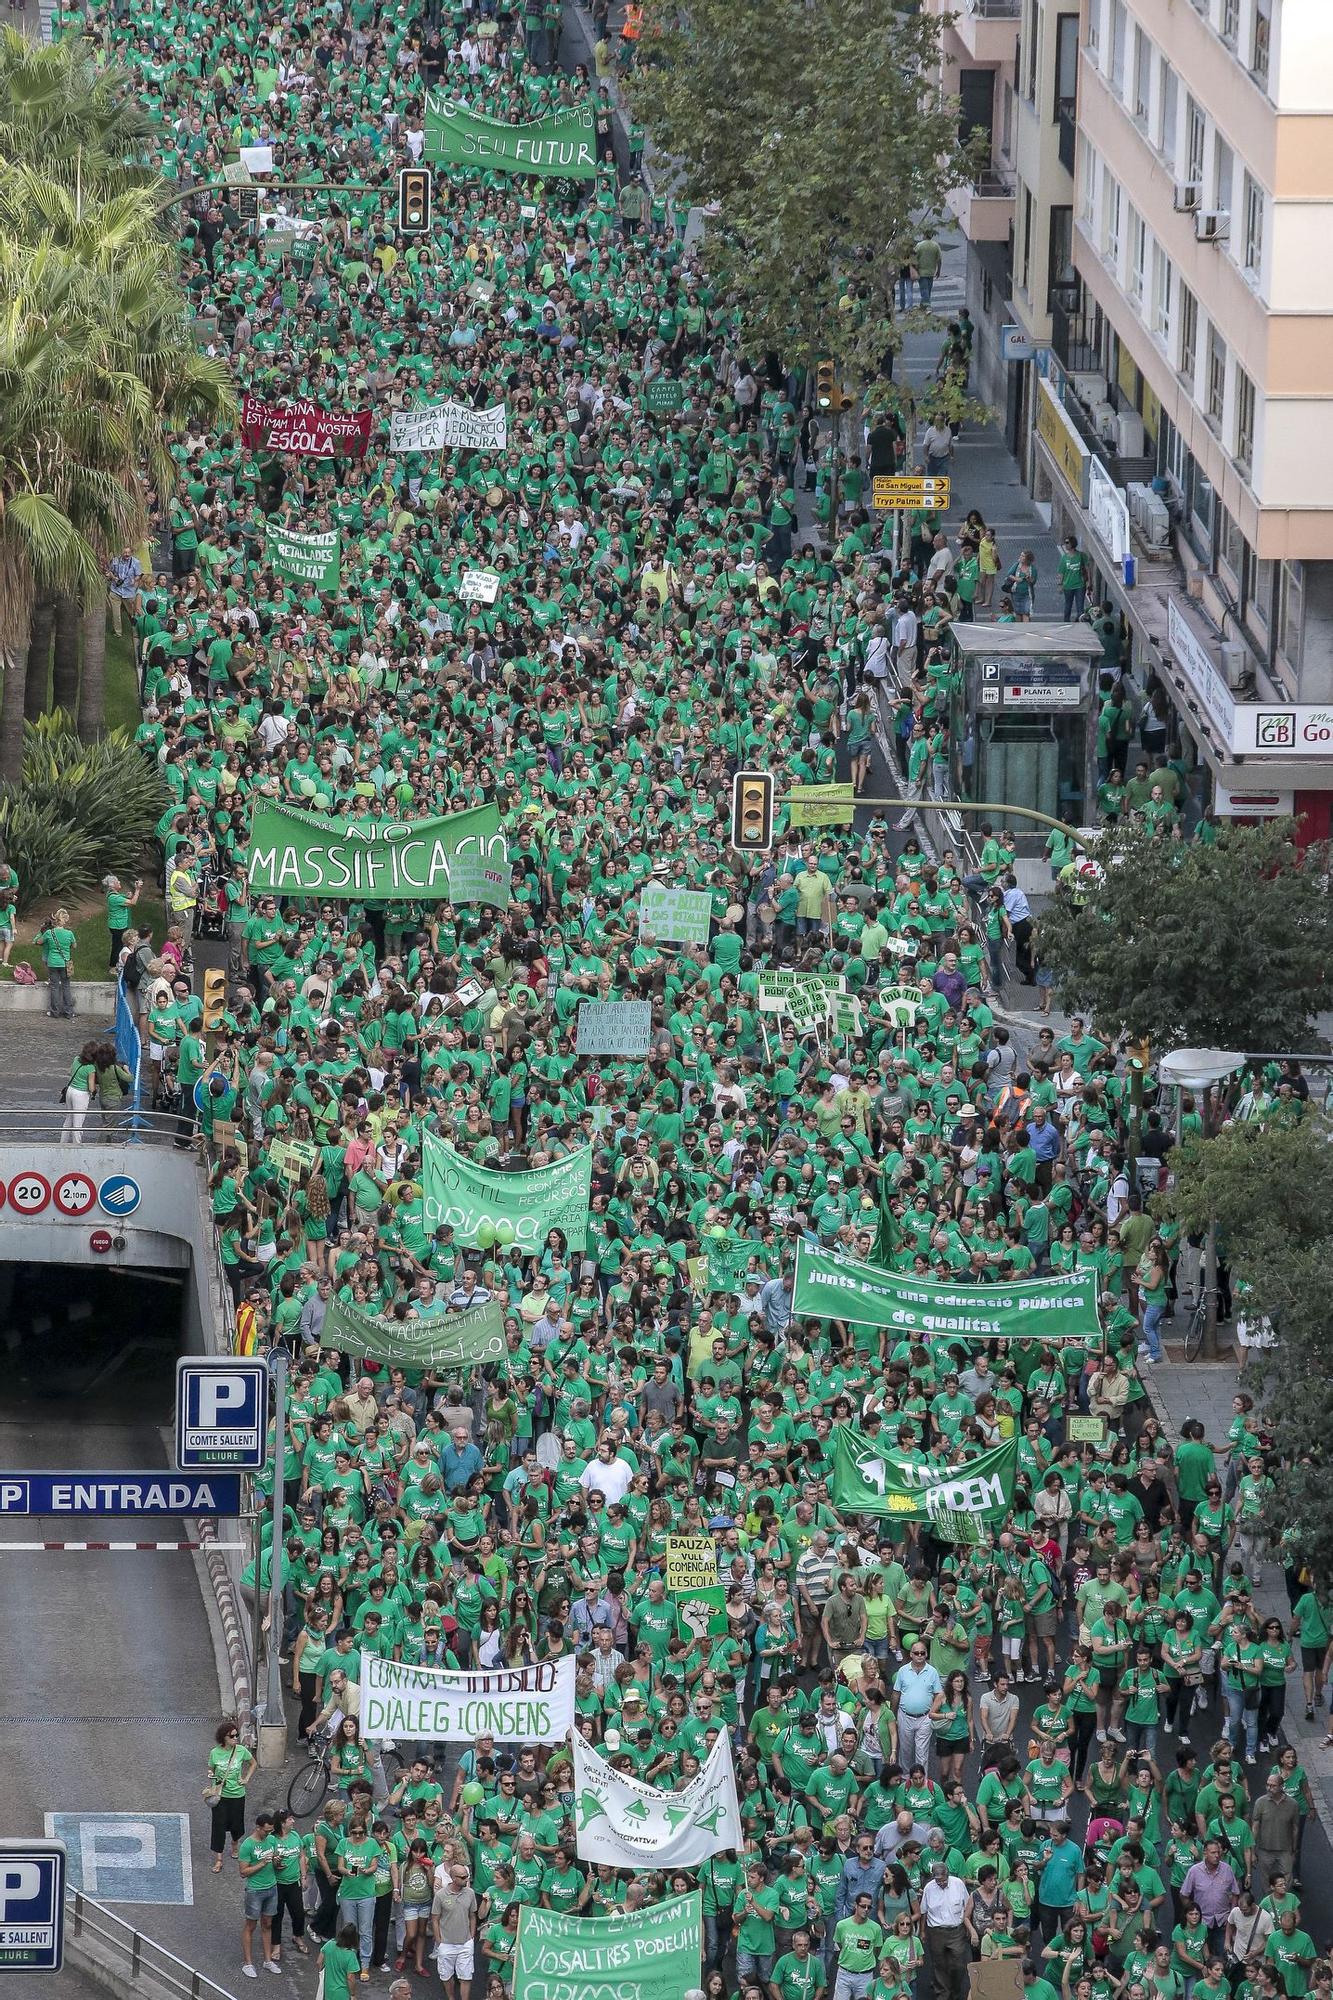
point(221, 1413)
point(32, 1905)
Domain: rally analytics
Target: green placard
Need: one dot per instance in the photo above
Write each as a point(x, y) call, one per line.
point(701, 1613)
point(293, 1157)
point(663, 396)
point(1085, 1430)
point(306, 558)
point(675, 916)
point(291, 294)
point(475, 880)
point(821, 805)
point(651, 1954)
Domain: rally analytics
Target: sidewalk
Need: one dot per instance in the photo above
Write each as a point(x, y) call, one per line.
point(984, 474)
point(1179, 1390)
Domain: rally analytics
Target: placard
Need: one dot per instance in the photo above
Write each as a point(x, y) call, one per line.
point(615, 1028)
point(675, 916)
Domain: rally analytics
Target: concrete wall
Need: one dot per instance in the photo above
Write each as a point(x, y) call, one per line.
point(170, 1229)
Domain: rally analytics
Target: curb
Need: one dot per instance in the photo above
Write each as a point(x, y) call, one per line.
point(91, 996)
point(233, 1627)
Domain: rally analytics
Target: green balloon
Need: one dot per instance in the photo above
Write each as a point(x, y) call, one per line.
point(473, 1794)
point(485, 1235)
point(504, 1230)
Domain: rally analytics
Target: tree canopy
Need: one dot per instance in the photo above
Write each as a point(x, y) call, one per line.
point(819, 130)
point(1270, 1189)
point(1222, 944)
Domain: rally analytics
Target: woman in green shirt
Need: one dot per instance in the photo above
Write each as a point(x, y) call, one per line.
point(58, 942)
point(230, 1766)
point(118, 907)
point(359, 1861)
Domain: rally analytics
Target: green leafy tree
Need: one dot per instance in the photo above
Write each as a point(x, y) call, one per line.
point(1270, 1189)
point(819, 130)
point(1190, 944)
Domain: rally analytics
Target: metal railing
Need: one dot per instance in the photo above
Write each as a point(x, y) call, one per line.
point(157, 1128)
point(994, 10)
point(144, 1958)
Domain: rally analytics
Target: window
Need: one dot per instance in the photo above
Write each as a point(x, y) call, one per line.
point(1245, 400)
point(1087, 185)
point(1229, 22)
point(1094, 41)
point(1258, 590)
point(1254, 228)
point(1201, 502)
point(1196, 132)
point(1168, 111)
point(1189, 333)
point(1143, 53)
point(1162, 277)
point(1137, 275)
point(1060, 272)
point(1110, 218)
point(1119, 37)
point(1290, 611)
point(1224, 173)
point(1217, 377)
point(1025, 269)
point(1230, 546)
point(1263, 40)
point(1033, 53)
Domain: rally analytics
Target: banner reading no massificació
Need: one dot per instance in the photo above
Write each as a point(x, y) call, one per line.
point(306, 558)
point(436, 1704)
point(651, 1954)
point(472, 1200)
point(863, 1295)
point(564, 144)
point(299, 853)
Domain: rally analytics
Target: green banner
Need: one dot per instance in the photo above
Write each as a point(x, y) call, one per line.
point(652, 1954)
point(728, 1258)
point(868, 1478)
point(471, 1339)
point(474, 879)
point(294, 852)
point(486, 1208)
point(308, 558)
point(564, 145)
point(1044, 1309)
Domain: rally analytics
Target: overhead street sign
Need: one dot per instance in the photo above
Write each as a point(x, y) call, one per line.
point(221, 1413)
point(85, 1493)
point(891, 494)
point(32, 1905)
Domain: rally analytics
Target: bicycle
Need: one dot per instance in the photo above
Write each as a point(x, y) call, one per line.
point(309, 1788)
point(1194, 1332)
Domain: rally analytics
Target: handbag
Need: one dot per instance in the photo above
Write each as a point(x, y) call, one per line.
point(212, 1792)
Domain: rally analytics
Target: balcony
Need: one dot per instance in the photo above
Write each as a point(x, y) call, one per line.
point(987, 29)
point(985, 210)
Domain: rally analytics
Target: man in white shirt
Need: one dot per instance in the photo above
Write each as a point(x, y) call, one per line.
point(607, 1474)
point(947, 1931)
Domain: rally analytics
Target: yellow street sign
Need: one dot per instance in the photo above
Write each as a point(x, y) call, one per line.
point(890, 495)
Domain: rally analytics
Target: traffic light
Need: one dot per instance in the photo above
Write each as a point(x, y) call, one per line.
point(215, 997)
point(827, 394)
point(414, 201)
point(752, 812)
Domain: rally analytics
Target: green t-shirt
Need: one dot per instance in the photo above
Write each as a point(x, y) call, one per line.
point(264, 1851)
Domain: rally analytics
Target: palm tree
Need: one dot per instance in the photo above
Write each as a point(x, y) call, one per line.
point(75, 193)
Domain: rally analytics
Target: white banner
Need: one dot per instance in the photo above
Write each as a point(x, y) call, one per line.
point(436, 1704)
point(620, 1820)
point(478, 586)
point(449, 424)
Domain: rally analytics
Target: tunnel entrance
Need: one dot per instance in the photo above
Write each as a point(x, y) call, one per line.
point(106, 1340)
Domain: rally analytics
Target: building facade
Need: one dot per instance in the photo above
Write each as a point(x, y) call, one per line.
point(1183, 417)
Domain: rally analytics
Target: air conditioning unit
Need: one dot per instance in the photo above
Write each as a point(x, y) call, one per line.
point(1237, 667)
point(1089, 388)
point(1156, 522)
point(1185, 196)
point(1103, 417)
point(1212, 225)
point(1129, 437)
point(1137, 494)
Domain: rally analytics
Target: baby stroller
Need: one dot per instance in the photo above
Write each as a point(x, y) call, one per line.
point(213, 909)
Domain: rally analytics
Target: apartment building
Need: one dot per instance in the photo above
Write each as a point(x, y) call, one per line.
point(1184, 416)
point(1013, 65)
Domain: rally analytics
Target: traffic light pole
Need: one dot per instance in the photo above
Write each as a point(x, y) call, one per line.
point(967, 806)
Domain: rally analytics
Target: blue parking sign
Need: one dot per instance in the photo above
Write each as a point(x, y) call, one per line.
point(221, 1413)
point(32, 1905)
